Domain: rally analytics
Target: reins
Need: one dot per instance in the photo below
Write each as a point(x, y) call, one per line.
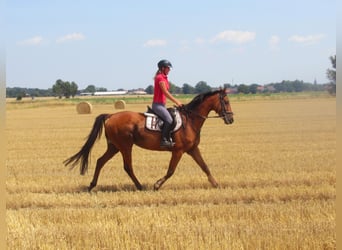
point(207, 117)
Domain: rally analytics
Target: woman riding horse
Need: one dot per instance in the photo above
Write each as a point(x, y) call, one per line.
point(126, 128)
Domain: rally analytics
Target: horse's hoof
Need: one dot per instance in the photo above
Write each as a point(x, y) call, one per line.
point(213, 182)
point(158, 184)
point(156, 187)
point(90, 187)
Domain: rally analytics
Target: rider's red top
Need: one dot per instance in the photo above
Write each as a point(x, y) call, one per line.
point(159, 96)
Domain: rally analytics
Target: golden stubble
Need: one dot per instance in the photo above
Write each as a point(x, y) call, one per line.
point(276, 166)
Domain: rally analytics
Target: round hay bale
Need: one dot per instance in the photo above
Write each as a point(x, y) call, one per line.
point(84, 108)
point(120, 104)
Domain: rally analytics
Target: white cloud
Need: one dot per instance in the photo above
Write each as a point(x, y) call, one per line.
point(155, 43)
point(37, 40)
point(274, 41)
point(71, 37)
point(234, 36)
point(306, 39)
point(200, 41)
point(184, 45)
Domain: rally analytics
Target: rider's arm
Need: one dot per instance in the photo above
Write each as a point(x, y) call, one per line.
point(168, 94)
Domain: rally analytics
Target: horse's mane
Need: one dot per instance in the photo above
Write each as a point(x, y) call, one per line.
point(199, 99)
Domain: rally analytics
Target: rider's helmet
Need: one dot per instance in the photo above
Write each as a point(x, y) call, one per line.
point(164, 63)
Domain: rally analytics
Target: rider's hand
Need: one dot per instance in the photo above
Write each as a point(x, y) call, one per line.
point(178, 103)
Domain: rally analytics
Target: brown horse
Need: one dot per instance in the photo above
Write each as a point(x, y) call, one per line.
point(124, 129)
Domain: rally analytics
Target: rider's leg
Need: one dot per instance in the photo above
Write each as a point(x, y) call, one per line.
point(166, 135)
point(162, 112)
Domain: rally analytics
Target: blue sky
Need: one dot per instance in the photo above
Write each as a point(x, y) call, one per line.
point(117, 44)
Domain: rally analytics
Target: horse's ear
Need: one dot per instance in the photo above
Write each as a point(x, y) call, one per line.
point(224, 90)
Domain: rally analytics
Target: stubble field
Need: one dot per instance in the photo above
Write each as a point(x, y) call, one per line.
point(276, 166)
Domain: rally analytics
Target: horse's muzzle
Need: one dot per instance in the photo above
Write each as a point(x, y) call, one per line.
point(228, 118)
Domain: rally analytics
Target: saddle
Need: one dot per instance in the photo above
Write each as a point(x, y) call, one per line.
point(154, 123)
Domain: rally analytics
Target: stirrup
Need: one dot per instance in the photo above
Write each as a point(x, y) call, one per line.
point(165, 143)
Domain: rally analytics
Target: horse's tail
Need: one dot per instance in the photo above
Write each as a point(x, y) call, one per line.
point(83, 154)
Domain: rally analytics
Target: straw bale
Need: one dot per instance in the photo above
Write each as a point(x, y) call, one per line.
point(121, 104)
point(84, 108)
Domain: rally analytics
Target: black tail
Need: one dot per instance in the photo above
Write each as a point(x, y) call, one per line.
point(83, 154)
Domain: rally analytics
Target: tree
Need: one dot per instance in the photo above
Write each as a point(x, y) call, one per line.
point(253, 88)
point(73, 89)
point(188, 89)
point(90, 88)
point(202, 87)
point(175, 89)
point(298, 86)
point(331, 74)
point(102, 89)
point(227, 85)
point(149, 89)
point(243, 88)
point(15, 91)
point(57, 88)
point(67, 89)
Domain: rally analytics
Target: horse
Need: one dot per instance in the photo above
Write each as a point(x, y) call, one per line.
point(126, 128)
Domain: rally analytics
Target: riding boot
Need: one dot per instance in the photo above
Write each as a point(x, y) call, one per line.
point(166, 136)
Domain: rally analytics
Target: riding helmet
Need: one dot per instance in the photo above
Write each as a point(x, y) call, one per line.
point(164, 63)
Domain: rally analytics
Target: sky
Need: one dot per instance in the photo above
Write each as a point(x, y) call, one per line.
point(117, 44)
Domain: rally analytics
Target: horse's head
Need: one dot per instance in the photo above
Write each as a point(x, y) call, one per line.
point(223, 107)
point(203, 103)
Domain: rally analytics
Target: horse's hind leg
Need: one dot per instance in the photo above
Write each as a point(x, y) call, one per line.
point(127, 159)
point(111, 151)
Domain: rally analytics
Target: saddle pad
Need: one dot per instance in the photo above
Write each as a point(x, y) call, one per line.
point(154, 123)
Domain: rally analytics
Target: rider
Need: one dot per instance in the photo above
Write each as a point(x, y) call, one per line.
point(161, 92)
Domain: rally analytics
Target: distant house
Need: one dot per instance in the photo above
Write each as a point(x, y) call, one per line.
point(270, 88)
point(232, 90)
point(138, 92)
point(86, 93)
point(103, 93)
point(261, 88)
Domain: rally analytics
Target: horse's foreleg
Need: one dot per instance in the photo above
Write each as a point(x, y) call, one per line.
point(111, 151)
point(196, 155)
point(176, 156)
point(127, 159)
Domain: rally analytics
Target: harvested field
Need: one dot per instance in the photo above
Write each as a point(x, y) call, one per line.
point(276, 166)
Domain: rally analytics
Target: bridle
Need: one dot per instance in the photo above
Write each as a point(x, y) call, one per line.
point(223, 114)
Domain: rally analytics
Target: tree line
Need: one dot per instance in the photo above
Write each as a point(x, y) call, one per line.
point(70, 89)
